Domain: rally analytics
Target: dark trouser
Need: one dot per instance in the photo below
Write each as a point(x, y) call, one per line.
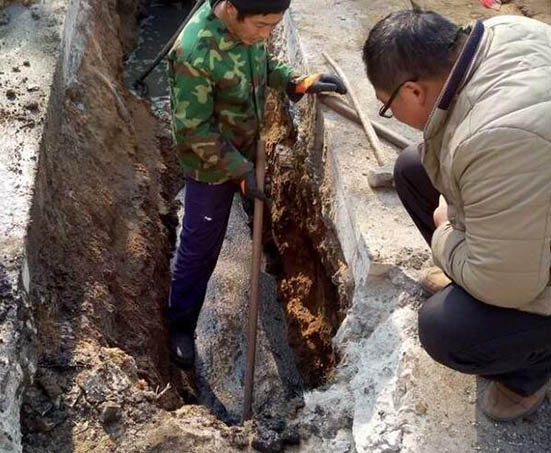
point(207, 210)
point(459, 331)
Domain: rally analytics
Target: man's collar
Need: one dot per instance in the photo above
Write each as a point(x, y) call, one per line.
point(462, 66)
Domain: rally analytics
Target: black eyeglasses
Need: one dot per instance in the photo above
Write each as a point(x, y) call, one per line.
point(383, 111)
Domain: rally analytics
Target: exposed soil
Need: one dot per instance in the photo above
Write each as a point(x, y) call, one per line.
point(315, 305)
point(103, 220)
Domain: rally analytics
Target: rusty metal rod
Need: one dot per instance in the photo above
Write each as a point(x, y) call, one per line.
point(255, 277)
point(374, 141)
point(343, 108)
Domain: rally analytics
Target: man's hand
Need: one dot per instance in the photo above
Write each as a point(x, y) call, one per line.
point(315, 83)
point(321, 83)
point(440, 214)
point(248, 187)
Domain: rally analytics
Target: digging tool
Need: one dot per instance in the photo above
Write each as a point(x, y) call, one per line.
point(255, 277)
point(366, 123)
point(343, 108)
point(139, 85)
point(383, 176)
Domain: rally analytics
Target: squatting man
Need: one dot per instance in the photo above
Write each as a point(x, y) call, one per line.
point(219, 70)
point(478, 189)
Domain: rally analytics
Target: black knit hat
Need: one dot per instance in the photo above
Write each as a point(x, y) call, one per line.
point(261, 6)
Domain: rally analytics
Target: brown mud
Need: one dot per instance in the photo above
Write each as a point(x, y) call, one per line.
point(315, 305)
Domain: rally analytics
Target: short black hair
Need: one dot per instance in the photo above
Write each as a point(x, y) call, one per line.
point(409, 44)
point(260, 8)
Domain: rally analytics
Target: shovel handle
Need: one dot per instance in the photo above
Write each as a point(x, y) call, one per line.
point(255, 277)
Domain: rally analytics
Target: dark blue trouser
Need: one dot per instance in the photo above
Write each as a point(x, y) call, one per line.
point(207, 210)
point(510, 346)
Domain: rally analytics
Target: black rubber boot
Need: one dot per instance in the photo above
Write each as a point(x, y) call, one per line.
point(182, 326)
point(182, 348)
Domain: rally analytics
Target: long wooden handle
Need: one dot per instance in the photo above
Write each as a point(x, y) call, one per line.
point(255, 277)
point(342, 107)
point(366, 123)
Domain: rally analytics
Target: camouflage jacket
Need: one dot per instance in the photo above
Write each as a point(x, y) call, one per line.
point(217, 95)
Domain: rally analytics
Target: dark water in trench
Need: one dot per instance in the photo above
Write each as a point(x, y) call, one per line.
point(159, 21)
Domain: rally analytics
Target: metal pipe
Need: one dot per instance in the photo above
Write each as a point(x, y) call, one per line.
point(255, 277)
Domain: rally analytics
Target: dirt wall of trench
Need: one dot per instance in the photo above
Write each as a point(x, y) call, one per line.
point(314, 285)
point(100, 239)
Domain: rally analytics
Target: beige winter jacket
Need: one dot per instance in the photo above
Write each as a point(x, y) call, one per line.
point(488, 151)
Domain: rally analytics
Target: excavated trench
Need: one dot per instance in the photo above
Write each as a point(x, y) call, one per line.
point(103, 229)
point(84, 275)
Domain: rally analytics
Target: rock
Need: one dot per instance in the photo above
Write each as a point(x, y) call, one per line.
point(381, 177)
point(94, 389)
point(4, 19)
point(110, 413)
point(268, 442)
point(239, 439)
point(221, 335)
point(420, 408)
point(15, 69)
point(27, 63)
point(48, 382)
point(291, 436)
point(11, 94)
point(31, 105)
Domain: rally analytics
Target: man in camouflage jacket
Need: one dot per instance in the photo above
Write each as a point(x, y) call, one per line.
point(219, 69)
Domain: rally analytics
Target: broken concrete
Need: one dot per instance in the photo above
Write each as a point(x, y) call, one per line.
point(386, 393)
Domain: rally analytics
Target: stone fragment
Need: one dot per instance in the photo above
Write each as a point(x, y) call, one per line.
point(420, 408)
point(11, 94)
point(268, 442)
point(49, 384)
point(94, 389)
point(31, 105)
point(239, 439)
point(4, 19)
point(110, 413)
